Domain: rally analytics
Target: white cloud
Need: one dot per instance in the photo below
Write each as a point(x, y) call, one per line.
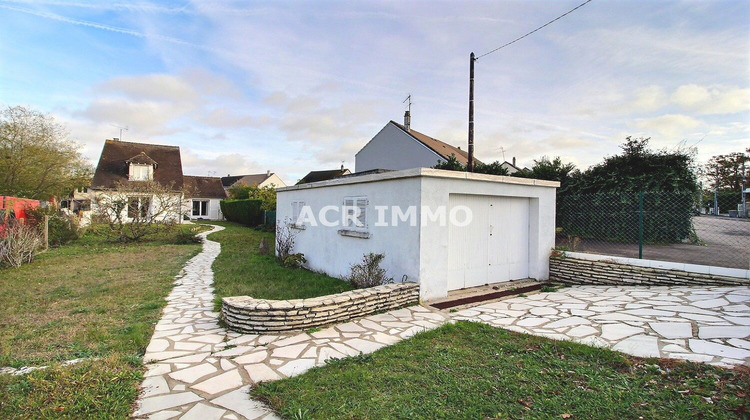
point(671, 127)
point(649, 98)
point(715, 99)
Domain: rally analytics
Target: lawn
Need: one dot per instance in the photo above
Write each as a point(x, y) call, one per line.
point(88, 299)
point(241, 270)
point(473, 371)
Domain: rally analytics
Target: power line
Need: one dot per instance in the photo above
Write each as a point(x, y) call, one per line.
point(537, 29)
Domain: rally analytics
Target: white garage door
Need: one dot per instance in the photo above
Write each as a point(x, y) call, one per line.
point(494, 247)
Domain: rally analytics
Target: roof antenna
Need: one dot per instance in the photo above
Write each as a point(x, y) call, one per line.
point(407, 114)
point(121, 128)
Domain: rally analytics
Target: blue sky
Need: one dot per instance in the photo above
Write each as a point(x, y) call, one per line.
point(244, 87)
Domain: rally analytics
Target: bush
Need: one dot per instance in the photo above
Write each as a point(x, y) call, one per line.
point(19, 245)
point(246, 212)
point(369, 273)
point(284, 241)
point(184, 237)
point(63, 228)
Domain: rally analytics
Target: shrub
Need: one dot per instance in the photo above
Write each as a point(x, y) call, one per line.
point(284, 241)
point(19, 245)
point(63, 228)
point(295, 260)
point(369, 273)
point(182, 237)
point(246, 212)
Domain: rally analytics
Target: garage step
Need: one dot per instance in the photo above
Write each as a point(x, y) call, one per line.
point(486, 293)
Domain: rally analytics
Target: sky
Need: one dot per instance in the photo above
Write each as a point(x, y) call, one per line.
point(294, 86)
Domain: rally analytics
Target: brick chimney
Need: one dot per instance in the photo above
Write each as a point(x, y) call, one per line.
point(407, 120)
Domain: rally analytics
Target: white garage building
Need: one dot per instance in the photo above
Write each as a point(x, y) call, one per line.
point(443, 229)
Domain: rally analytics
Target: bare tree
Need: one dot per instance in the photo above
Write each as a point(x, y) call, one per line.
point(37, 160)
point(137, 210)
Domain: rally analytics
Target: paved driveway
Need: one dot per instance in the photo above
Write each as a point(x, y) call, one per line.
point(708, 324)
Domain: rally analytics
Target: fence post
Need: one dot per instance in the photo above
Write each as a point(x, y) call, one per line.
point(640, 225)
point(46, 232)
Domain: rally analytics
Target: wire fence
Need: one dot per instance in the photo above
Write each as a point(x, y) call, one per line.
point(654, 225)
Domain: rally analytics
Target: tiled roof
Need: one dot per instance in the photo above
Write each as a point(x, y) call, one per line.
point(112, 168)
point(204, 187)
point(443, 149)
point(315, 176)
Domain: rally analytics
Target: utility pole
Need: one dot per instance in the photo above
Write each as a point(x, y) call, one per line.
point(470, 164)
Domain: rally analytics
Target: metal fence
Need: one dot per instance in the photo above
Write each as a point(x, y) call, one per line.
point(652, 225)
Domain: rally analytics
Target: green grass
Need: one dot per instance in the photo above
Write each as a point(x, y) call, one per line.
point(240, 270)
point(90, 298)
point(473, 371)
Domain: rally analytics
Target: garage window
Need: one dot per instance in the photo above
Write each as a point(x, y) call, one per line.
point(355, 209)
point(297, 207)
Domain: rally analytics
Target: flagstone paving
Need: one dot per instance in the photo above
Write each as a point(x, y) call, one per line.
point(198, 370)
point(707, 324)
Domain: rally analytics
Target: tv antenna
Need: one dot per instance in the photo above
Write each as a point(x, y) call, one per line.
point(121, 128)
point(408, 107)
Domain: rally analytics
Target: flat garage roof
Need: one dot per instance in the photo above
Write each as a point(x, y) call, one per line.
point(422, 172)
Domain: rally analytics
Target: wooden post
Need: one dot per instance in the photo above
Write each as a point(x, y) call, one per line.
point(46, 232)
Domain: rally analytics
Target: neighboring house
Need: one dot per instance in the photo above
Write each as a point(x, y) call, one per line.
point(315, 176)
point(511, 167)
point(205, 194)
point(269, 179)
point(399, 147)
point(452, 230)
point(125, 165)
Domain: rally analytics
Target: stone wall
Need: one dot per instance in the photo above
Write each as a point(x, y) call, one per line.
point(575, 271)
point(245, 314)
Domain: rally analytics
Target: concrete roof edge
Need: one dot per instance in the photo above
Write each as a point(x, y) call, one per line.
point(422, 172)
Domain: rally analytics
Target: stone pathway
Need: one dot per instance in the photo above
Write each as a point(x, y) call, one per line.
point(199, 370)
point(708, 324)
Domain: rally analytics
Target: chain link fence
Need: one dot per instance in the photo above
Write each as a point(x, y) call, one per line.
point(652, 225)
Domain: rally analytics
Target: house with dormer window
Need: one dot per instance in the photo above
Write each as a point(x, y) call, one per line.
point(125, 167)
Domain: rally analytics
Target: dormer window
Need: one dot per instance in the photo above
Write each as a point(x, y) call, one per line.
point(141, 172)
point(141, 167)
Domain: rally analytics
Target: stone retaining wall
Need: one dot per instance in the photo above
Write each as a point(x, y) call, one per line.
point(245, 314)
point(575, 271)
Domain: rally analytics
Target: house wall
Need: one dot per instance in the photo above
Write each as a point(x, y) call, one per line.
point(171, 218)
point(329, 251)
point(393, 149)
point(214, 209)
point(272, 180)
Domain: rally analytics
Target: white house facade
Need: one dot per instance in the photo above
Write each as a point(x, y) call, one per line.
point(398, 147)
point(445, 230)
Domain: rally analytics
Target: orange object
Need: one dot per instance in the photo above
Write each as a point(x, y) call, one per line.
point(15, 207)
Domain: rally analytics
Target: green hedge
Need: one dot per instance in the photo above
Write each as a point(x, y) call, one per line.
point(247, 212)
point(667, 217)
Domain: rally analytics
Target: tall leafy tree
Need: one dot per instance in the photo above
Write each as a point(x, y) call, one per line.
point(725, 171)
point(37, 159)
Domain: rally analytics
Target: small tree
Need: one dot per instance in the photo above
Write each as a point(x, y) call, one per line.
point(135, 211)
point(242, 191)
